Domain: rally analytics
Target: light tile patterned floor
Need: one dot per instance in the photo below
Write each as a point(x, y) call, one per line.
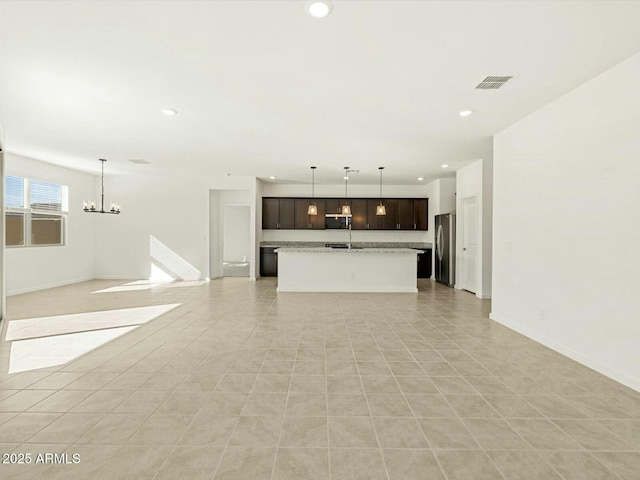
point(239, 382)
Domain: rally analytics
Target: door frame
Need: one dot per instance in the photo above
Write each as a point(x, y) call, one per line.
point(461, 259)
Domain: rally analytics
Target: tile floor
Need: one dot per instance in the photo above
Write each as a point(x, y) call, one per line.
point(239, 382)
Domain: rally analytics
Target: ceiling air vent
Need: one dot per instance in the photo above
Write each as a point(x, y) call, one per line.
point(492, 83)
point(140, 161)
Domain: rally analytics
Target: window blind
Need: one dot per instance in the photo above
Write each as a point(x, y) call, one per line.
point(13, 191)
point(45, 196)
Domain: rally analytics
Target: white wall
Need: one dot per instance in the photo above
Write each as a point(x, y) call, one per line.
point(35, 268)
point(447, 195)
point(172, 208)
point(215, 235)
point(236, 226)
point(487, 227)
point(566, 224)
point(167, 208)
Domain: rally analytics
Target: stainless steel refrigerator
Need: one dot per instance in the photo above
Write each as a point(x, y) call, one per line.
point(445, 255)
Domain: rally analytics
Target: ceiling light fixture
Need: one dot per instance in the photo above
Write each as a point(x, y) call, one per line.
point(169, 111)
point(91, 206)
point(313, 208)
point(420, 179)
point(319, 9)
point(272, 177)
point(465, 113)
point(445, 165)
point(381, 209)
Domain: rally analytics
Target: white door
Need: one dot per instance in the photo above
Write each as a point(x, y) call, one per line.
point(470, 252)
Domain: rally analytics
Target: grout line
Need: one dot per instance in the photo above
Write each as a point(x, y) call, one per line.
point(326, 383)
point(286, 403)
point(409, 405)
point(366, 398)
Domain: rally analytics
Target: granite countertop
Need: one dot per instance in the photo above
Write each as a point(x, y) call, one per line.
point(388, 245)
point(374, 251)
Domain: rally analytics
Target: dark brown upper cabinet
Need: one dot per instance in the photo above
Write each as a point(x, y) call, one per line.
point(290, 213)
point(278, 213)
point(359, 214)
point(374, 222)
point(401, 214)
point(309, 222)
point(333, 205)
point(405, 217)
point(383, 222)
point(421, 213)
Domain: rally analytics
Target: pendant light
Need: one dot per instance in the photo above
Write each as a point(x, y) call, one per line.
point(313, 208)
point(346, 208)
point(380, 209)
point(91, 206)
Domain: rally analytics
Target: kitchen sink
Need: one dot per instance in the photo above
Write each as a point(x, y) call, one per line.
point(341, 245)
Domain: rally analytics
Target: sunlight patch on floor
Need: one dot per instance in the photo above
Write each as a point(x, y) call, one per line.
point(55, 350)
point(82, 322)
point(151, 283)
point(50, 341)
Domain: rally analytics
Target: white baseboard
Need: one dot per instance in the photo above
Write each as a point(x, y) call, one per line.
point(579, 357)
point(116, 277)
point(483, 297)
point(47, 286)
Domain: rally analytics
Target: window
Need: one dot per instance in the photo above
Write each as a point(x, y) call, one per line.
point(36, 212)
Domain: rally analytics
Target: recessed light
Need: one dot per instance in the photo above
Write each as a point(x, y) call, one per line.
point(319, 9)
point(465, 113)
point(420, 178)
point(169, 111)
point(445, 165)
point(272, 177)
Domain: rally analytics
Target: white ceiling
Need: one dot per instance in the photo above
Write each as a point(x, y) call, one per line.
point(264, 89)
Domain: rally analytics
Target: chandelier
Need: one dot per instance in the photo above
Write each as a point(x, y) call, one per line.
point(91, 206)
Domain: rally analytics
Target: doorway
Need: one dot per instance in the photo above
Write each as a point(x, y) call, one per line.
point(236, 244)
point(469, 248)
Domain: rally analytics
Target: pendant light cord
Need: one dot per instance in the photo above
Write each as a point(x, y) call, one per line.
point(102, 185)
point(346, 179)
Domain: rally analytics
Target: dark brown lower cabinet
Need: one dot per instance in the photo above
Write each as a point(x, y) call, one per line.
point(424, 264)
point(268, 262)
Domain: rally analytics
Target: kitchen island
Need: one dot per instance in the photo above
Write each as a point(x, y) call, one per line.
point(347, 270)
